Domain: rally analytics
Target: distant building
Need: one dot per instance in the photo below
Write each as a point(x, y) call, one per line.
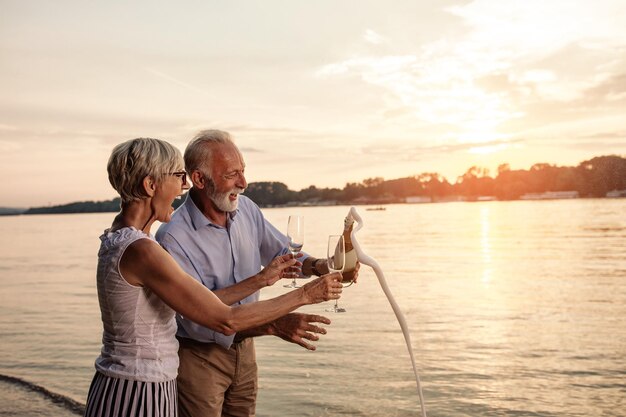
point(418, 200)
point(451, 199)
point(616, 194)
point(550, 195)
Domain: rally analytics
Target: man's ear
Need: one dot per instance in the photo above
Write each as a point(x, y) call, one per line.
point(149, 185)
point(198, 180)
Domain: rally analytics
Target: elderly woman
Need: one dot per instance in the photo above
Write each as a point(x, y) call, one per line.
point(140, 287)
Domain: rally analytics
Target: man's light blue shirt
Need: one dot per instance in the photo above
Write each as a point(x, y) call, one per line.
point(219, 257)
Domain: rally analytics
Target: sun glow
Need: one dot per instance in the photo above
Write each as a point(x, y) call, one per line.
point(408, 87)
point(443, 85)
point(471, 87)
point(484, 150)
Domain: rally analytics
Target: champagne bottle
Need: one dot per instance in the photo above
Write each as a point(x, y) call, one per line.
point(350, 253)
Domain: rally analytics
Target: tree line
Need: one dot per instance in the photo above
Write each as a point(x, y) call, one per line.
point(592, 178)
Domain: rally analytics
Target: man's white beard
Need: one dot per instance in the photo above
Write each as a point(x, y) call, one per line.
point(222, 200)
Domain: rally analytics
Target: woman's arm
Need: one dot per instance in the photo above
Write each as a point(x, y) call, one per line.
point(273, 272)
point(145, 263)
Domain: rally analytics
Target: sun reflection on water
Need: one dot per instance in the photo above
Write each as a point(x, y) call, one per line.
point(485, 243)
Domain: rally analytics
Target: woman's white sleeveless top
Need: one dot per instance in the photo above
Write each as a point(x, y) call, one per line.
point(138, 339)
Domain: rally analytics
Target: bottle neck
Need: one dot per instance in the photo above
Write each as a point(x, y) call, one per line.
point(347, 238)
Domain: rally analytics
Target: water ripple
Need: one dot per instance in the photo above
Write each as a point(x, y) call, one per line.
point(66, 402)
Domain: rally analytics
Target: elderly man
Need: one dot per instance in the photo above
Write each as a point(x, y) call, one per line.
point(221, 237)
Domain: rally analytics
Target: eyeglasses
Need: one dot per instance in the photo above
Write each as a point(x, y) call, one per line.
point(180, 174)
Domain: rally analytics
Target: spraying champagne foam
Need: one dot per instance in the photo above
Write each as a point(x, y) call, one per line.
point(364, 259)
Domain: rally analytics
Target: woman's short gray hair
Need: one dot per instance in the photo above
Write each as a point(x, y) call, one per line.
point(198, 155)
point(130, 162)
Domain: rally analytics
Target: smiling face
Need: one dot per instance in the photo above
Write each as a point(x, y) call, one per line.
point(171, 187)
point(227, 177)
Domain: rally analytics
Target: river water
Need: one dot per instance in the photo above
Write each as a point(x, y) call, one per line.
point(515, 309)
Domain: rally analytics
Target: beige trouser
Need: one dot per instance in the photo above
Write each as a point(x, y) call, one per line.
point(216, 382)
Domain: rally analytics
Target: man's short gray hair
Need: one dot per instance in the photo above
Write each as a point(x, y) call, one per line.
point(199, 153)
point(131, 161)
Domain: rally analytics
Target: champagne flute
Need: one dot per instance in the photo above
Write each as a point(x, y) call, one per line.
point(295, 233)
point(336, 256)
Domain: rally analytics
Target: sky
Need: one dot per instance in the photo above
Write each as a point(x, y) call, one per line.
point(314, 92)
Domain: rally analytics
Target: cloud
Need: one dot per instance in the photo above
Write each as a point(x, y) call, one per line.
point(502, 68)
point(610, 90)
point(620, 135)
point(66, 127)
point(433, 89)
point(262, 129)
point(174, 80)
point(247, 149)
point(412, 152)
point(533, 26)
point(372, 37)
point(600, 105)
point(614, 146)
point(9, 146)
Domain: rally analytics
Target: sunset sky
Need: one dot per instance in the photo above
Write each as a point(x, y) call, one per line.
point(314, 92)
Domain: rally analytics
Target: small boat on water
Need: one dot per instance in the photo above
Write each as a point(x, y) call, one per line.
point(379, 208)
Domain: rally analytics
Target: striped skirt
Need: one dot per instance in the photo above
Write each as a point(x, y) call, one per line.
point(115, 397)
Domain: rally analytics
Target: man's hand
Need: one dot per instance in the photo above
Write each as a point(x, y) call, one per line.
point(346, 276)
point(322, 267)
point(284, 266)
point(298, 328)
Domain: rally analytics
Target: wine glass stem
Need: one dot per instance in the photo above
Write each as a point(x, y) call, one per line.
point(293, 281)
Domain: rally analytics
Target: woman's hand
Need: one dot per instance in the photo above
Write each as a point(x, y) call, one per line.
point(284, 266)
point(325, 288)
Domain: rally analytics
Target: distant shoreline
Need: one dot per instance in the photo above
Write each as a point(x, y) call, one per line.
point(599, 177)
point(373, 205)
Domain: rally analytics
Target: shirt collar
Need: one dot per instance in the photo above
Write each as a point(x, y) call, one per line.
point(198, 219)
